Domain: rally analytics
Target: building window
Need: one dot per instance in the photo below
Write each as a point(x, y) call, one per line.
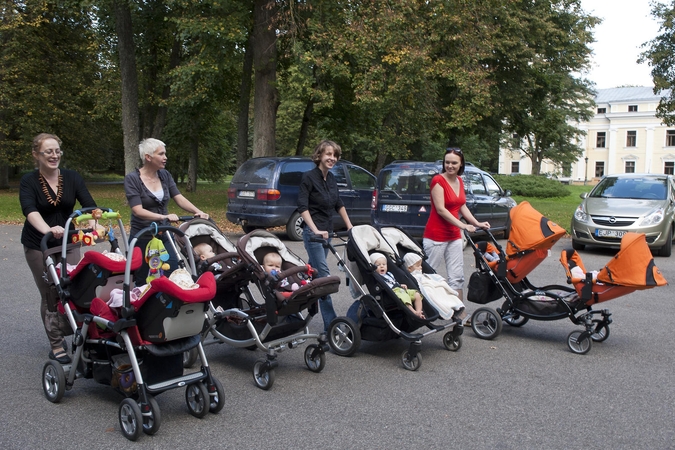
point(632, 108)
point(670, 138)
point(669, 167)
point(515, 166)
point(630, 167)
point(599, 169)
point(631, 138)
point(602, 110)
point(600, 139)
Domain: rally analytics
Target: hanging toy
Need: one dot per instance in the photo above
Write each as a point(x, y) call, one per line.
point(156, 257)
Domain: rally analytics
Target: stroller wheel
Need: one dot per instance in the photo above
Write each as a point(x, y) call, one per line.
point(451, 342)
point(579, 342)
point(131, 419)
point(413, 363)
point(53, 381)
point(152, 419)
point(262, 375)
point(600, 335)
point(217, 396)
point(344, 337)
point(486, 323)
point(197, 399)
point(190, 357)
point(314, 358)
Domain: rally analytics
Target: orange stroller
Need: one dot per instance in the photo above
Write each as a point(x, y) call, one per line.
point(504, 274)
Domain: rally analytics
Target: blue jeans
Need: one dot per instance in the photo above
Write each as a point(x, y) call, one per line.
point(316, 257)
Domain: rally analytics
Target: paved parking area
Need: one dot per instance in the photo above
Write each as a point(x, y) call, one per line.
point(524, 390)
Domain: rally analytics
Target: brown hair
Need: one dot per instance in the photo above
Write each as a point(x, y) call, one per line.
point(321, 148)
point(457, 151)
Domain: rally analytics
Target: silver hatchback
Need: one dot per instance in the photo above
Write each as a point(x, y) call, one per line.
point(642, 203)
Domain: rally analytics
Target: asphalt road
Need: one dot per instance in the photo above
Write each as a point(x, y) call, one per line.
point(524, 390)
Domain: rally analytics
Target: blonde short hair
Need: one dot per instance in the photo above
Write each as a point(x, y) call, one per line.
point(148, 147)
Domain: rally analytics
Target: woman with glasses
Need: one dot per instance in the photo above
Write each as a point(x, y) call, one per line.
point(443, 232)
point(148, 190)
point(48, 196)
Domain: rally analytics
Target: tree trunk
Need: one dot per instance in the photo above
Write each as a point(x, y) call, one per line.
point(265, 95)
point(192, 165)
point(244, 103)
point(160, 118)
point(306, 119)
point(129, 86)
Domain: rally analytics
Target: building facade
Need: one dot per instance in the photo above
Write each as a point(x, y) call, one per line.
point(624, 136)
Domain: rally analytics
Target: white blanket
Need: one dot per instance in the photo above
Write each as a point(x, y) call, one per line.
point(439, 293)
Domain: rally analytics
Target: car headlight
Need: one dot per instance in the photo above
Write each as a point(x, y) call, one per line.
point(653, 218)
point(580, 215)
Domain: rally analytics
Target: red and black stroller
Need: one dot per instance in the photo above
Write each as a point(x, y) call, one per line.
point(251, 308)
point(504, 274)
point(136, 345)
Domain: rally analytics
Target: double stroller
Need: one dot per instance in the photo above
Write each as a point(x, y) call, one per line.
point(379, 314)
point(134, 345)
point(503, 273)
point(251, 308)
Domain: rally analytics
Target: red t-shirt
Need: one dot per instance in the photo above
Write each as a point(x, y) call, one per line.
point(438, 229)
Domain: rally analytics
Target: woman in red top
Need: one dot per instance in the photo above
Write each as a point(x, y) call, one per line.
point(443, 233)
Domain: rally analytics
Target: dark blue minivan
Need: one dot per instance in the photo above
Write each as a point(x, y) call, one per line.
point(264, 193)
point(403, 198)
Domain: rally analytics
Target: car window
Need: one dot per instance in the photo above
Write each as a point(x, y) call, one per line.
point(340, 176)
point(255, 172)
point(475, 182)
point(407, 181)
point(492, 186)
point(634, 188)
point(291, 172)
point(361, 179)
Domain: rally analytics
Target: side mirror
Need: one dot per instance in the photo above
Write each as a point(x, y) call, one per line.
point(583, 195)
point(507, 193)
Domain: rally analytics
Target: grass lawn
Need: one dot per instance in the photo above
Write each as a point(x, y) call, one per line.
point(212, 198)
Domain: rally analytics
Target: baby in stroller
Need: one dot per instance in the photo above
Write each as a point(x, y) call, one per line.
point(205, 252)
point(435, 289)
point(410, 297)
point(272, 266)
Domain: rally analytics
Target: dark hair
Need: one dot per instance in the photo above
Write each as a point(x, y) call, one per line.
point(457, 151)
point(321, 148)
point(40, 138)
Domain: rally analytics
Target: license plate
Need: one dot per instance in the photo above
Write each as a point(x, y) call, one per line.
point(395, 208)
point(610, 233)
point(247, 194)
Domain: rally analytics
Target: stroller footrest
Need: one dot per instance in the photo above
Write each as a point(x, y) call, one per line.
point(175, 382)
point(411, 337)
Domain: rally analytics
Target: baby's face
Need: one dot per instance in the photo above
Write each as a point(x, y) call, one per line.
point(381, 266)
point(271, 264)
point(207, 253)
point(416, 266)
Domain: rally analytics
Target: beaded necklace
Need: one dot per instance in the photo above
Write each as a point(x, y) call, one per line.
point(50, 200)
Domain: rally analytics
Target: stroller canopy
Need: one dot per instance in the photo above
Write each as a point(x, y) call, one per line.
point(633, 265)
point(530, 230)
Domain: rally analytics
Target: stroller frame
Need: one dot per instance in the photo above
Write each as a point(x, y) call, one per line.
point(344, 334)
point(516, 310)
point(139, 411)
point(292, 334)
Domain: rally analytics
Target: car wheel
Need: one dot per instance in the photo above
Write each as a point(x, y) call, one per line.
point(667, 248)
point(507, 231)
point(294, 227)
point(577, 246)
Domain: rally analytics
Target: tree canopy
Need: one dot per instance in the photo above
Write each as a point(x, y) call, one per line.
point(386, 79)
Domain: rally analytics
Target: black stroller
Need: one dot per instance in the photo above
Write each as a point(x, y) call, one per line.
point(135, 345)
point(378, 314)
point(250, 309)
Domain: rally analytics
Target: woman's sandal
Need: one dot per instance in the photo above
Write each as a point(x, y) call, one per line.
point(60, 357)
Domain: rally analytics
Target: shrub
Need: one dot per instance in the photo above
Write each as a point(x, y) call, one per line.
point(532, 186)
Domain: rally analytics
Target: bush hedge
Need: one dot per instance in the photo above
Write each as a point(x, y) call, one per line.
point(532, 186)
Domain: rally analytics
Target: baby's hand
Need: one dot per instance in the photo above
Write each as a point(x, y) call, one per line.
point(404, 286)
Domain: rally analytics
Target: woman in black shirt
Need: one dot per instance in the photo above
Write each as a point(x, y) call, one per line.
point(318, 198)
point(48, 196)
